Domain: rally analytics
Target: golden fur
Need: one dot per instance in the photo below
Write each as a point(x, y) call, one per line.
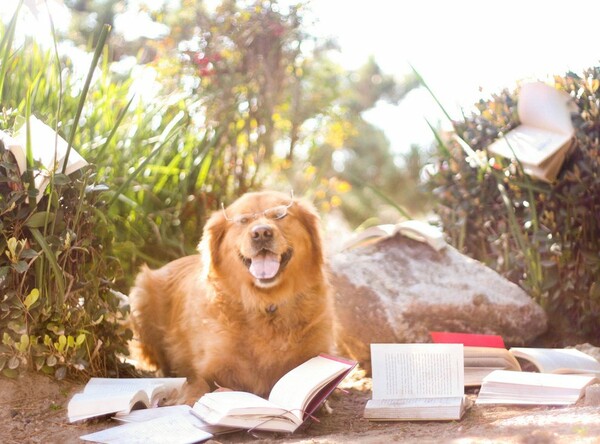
point(208, 318)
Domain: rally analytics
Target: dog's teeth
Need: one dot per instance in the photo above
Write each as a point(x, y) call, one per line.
point(265, 266)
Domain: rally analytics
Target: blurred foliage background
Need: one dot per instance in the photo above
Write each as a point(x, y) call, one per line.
point(543, 236)
point(219, 98)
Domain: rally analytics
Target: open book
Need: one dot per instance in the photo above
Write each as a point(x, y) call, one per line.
point(172, 429)
point(483, 354)
point(556, 360)
point(416, 382)
point(543, 138)
point(293, 399)
point(488, 354)
point(103, 396)
point(414, 229)
point(506, 387)
point(172, 410)
point(48, 149)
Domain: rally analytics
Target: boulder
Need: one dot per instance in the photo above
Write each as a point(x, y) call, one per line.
point(400, 289)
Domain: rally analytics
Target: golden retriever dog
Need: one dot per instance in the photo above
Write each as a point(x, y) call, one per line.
point(254, 303)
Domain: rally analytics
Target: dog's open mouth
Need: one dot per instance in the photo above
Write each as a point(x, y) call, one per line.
point(266, 265)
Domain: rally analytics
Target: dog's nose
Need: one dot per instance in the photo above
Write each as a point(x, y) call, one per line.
point(261, 232)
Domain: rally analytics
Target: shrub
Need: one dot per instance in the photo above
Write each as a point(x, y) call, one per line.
point(58, 312)
point(546, 237)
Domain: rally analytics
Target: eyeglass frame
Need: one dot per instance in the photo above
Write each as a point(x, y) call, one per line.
point(244, 218)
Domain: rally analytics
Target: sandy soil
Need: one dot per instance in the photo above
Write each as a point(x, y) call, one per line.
point(33, 410)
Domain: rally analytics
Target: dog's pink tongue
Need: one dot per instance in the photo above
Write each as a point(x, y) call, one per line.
point(265, 266)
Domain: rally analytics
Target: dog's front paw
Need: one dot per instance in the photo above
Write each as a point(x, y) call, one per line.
point(192, 391)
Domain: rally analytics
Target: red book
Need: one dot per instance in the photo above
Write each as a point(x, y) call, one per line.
point(469, 339)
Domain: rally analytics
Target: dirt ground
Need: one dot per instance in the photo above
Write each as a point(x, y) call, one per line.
point(33, 410)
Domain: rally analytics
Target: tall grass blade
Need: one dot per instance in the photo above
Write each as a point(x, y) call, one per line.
point(49, 255)
point(120, 117)
point(440, 143)
point(140, 167)
point(97, 53)
point(6, 46)
point(382, 196)
point(426, 86)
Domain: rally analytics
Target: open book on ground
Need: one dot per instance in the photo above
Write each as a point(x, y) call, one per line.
point(416, 382)
point(172, 410)
point(508, 387)
point(293, 399)
point(414, 229)
point(542, 140)
point(556, 360)
point(483, 353)
point(103, 396)
point(172, 429)
point(488, 355)
point(48, 150)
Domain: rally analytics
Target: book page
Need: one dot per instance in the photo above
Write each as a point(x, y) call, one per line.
point(545, 107)
point(490, 356)
point(369, 235)
point(49, 149)
point(546, 380)
point(101, 396)
point(422, 232)
point(238, 403)
point(417, 370)
point(175, 429)
point(531, 145)
point(120, 385)
point(508, 387)
point(414, 402)
point(563, 360)
point(16, 149)
point(87, 405)
point(148, 414)
point(172, 410)
point(298, 385)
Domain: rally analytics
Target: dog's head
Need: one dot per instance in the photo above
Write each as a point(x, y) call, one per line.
point(266, 240)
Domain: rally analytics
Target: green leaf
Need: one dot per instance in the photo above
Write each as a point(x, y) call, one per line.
point(39, 219)
point(20, 267)
point(61, 179)
point(23, 343)
point(31, 298)
point(39, 362)
point(7, 340)
point(58, 275)
point(80, 339)
point(10, 373)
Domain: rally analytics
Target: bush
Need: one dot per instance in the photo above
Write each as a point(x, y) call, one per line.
point(546, 237)
point(58, 312)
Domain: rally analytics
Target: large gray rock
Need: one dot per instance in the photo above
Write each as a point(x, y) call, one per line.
point(399, 289)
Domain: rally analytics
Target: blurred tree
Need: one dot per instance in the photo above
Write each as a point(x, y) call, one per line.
point(275, 104)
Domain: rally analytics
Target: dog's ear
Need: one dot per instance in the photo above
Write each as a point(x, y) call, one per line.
point(308, 216)
point(212, 236)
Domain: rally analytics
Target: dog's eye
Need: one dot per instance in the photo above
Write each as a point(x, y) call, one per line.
point(276, 212)
point(243, 219)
